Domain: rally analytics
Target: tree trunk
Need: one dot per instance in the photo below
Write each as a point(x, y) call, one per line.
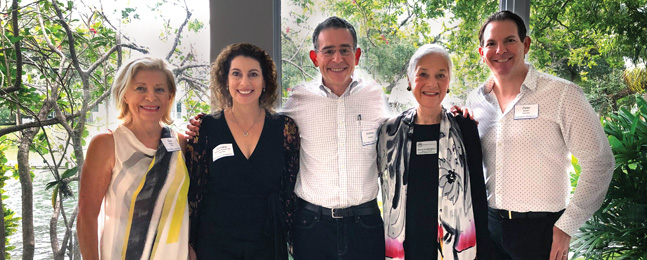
point(24, 171)
point(53, 235)
point(77, 250)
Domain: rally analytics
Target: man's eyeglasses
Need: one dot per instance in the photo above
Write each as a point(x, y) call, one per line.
point(343, 51)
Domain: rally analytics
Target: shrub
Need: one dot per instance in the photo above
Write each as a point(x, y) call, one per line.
point(618, 230)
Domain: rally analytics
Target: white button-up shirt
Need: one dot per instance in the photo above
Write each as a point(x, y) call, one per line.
point(337, 167)
point(526, 154)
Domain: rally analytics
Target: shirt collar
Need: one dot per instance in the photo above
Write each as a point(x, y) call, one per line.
point(531, 78)
point(350, 89)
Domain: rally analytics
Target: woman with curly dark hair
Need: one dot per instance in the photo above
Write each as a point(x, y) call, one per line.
point(243, 163)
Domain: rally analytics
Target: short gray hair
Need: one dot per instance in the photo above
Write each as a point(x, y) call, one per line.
point(425, 50)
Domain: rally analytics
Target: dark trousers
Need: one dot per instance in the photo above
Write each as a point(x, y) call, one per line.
point(317, 236)
point(234, 249)
point(523, 238)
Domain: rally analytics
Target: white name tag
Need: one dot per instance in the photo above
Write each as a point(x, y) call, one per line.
point(526, 111)
point(369, 137)
point(426, 147)
point(223, 150)
point(171, 144)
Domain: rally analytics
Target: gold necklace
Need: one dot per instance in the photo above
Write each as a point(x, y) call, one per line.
point(246, 132)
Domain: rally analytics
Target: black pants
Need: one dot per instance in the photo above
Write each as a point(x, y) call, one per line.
point(524, 238)
point(318, 236)
point(231, 248)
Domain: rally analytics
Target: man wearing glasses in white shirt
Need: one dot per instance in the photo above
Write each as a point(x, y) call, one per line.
point(338, 115)
point(529, 123)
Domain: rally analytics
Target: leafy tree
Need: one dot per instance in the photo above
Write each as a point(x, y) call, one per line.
point(618, 230)
point(71, 52)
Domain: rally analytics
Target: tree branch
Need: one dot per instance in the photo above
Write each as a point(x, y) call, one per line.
point(179, 31)
point(101, 60)
point(180, 70)
point(70, 38)
point(51, 121)
point(16, 33)
point(131, 46)
point(298, 67)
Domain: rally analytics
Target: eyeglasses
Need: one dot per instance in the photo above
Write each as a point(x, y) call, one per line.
point(343, 51)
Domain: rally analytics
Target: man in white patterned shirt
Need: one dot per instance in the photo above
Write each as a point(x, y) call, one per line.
point(338, 115)
point(529, 123)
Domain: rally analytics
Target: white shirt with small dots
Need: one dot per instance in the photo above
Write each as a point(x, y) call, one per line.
point(526, 157)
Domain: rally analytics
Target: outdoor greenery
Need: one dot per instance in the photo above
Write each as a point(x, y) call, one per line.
point(10, 221)
point(57, 62)
point(618, 230)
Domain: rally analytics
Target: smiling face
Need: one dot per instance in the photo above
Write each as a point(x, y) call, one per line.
point(245, 81)
point(503, 51)
point(336, 57)
point(148, 96)
point(430, 81)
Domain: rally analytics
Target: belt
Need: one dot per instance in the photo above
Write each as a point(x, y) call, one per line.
point(508, 214)
point(363, 209)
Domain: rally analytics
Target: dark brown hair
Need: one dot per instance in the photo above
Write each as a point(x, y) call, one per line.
point(504, 16)
point(220, 72)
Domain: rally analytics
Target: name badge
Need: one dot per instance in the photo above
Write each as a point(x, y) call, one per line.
point(526, 111)
point(369, 137)
point(426, 147)
point(171, 144)
point(223, 150)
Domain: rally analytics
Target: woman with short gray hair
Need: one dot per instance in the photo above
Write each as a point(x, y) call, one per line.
point(430, 168)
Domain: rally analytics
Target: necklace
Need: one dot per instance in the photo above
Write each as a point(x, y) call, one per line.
point(246, 132)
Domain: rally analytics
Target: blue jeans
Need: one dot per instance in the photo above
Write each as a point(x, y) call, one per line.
point(318, 236)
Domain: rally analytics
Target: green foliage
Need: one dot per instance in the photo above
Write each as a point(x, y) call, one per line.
point(10, 227)
point(575, 176)
point(195, 105)
point(10, 221)
point(62, 186)
point(195, 25)
point(636, 79)
point(618, 230)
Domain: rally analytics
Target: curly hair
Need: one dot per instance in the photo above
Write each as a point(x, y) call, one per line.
point(220, 72)
point(128, 72)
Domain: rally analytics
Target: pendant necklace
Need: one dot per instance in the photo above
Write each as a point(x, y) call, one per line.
point(245, 132)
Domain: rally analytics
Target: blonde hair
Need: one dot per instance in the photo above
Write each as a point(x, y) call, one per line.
point(126, 74)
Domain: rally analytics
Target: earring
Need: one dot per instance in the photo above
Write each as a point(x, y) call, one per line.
point(409, 88)
point(263, 89)
point(447, 90)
